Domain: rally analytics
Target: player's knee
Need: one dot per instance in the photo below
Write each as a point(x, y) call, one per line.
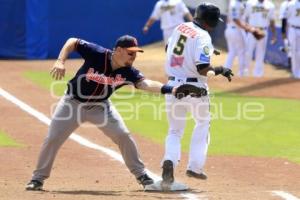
point(176, 132)
point(203, 121)
point(120, 137)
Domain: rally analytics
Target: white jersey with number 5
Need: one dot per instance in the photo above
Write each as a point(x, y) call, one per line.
point(188, 46)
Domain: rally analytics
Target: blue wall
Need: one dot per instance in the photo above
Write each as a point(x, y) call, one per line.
point(100, 21)
point(37, 29)
point(12, 29)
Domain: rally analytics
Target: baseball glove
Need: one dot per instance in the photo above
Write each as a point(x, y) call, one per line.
point(258, 33)
point(187, 89)
point(226, 72)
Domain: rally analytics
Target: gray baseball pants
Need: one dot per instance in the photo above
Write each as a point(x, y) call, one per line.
point(69, 114)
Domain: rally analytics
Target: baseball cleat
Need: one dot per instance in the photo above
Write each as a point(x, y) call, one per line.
point(34, 185)
point(167, 175)
point(192, 174)
point(145, 180)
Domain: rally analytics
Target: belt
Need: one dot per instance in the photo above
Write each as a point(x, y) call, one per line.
point(297, 27)
point(172, 78)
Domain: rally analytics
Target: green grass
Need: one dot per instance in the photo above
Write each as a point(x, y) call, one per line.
point(6, 141)
point(44, 80)
point(276, 134)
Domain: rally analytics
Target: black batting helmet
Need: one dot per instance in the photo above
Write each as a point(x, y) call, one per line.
point(208, 13)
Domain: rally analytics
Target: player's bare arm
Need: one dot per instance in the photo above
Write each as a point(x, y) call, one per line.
point(178, 91)
point(273, 30)
point(153, 86)
point(148, 24)
point(58, 69)
point(244, 25)
point(188, 16)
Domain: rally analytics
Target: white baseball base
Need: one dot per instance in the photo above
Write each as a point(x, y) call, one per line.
point(158, 186)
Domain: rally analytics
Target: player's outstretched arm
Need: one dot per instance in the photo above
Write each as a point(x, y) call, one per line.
point(58, 69)
point(152, 86)
point(179, 92)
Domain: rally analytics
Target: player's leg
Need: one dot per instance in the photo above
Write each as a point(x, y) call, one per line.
point(294, 35)
point(200, 137)
point(297, 61)
point(250, 46)
point(291, 36)
point(176, 114)
point(64, 121)
point(230, 39)
point(167, 33)
point(242, 50)
point(260, 52)
point(108, 120)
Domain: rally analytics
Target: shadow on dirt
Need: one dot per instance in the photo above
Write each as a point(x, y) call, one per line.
point(134, 193)
point(264, 85)
point(88, 192)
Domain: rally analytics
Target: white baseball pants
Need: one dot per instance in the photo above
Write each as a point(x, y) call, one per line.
point(235, 38)
point(294, 37)
point(177, 114)
point(69, 114)
point(260, 50)
point(167, 32)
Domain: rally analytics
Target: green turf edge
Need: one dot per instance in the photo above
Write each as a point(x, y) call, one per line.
point(6, 141)
point(246, 142)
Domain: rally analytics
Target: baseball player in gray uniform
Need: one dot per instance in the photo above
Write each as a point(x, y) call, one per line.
point(87, 99)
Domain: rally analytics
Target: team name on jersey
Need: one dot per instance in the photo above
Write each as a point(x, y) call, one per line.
point(186, 30)
point(167, 8)
point(102, 79)
point(259, 9)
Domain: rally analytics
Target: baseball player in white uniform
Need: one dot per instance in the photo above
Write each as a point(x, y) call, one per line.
point(188, 60)
point(260, 14)
point(293, 21)
point(171, 13)
point(236, 36)
point(282, 17)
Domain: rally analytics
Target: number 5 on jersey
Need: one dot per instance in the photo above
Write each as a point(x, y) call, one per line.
point(178, 49)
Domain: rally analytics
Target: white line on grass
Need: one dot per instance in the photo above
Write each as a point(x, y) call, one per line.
point(284, 195)
point(43, 118)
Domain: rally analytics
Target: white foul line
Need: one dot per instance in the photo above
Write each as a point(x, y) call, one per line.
point(284, 195)
point(77, 138)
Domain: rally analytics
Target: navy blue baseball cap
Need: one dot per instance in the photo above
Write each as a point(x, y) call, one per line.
point(128, 42)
